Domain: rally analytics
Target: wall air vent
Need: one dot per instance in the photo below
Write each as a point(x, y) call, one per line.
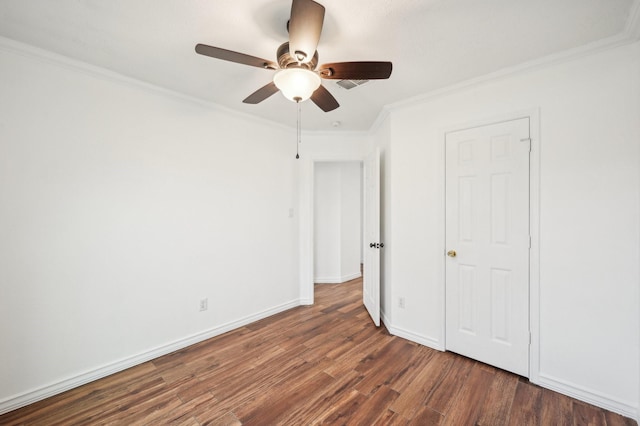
point(350, 84)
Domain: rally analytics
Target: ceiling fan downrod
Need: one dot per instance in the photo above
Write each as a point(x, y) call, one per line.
point(298, 127)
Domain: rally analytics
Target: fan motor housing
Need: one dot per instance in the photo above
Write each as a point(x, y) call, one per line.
point(285, 60)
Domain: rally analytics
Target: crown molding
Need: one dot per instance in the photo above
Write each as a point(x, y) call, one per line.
point(632, 29)
point(630, 35)
point(55, 59)
point(380, 119)
point(541, 63)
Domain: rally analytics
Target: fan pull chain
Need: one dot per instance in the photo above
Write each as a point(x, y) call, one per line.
point(298, 129)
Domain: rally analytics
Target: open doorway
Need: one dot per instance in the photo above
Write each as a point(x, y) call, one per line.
point(338, 220)
point(370, 243)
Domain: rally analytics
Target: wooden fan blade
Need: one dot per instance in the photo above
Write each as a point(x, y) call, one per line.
point(356, 70)
point(324, 99)
point(261, 94)
point(305, 26)
point(231, 56)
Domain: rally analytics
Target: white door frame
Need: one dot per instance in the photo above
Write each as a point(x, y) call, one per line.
point(534, 225)
point(306, 175)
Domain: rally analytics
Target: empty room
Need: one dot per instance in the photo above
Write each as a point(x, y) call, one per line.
point(297, 212)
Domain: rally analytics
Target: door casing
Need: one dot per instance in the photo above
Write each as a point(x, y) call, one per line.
point(306, 173)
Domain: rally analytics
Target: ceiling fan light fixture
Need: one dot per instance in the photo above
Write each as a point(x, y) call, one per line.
point(296, 84)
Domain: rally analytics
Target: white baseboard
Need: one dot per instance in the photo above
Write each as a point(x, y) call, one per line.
point(410, 335)
point(385, 319)
point(35, 395)
point(327, 280)
point(558, 385)
point(599, 399)
point(337, 280)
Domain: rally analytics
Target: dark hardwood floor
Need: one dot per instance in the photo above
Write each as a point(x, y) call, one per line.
point(322, 364)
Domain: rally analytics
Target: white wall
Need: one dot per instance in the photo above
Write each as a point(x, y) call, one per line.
point(351, 225)
point(327, 229)
point(636, 89)
point(589, 208)
point(121, 207)
point(361, 189)
point(337, 221)
point(333, 146)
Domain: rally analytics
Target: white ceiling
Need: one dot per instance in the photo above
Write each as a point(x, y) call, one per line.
point(432, 43)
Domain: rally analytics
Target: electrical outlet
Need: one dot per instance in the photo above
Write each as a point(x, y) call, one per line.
point(204, 304)
point(401, 302)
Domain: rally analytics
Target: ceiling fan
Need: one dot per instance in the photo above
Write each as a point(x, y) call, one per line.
point(298, 75)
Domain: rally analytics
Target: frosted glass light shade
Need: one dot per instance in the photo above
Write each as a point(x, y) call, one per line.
point(296, 83)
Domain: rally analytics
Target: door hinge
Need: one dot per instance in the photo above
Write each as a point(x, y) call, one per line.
point(528, 141)
point(530, 338)
point(529, 241)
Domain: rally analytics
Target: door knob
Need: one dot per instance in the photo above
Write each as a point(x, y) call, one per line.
point(451, 253)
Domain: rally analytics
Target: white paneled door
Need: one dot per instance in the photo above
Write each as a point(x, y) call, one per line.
point(487, 244)
point(373, 245)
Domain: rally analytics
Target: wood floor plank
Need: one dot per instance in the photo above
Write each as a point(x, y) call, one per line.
point(267, 410)
point(321, 401)
point(526, 405)
point(321, 364)
point(192, 388)
point(88, 401)
point(389, 418)
point(419, 360)
point(383, 373)
point(614, 419)
point(342, 410)
point(556, 409)
point(425, 382)
point(470, 399)
point(186, 421)
point(445, 392)
point(588, 415)
point(228, 419)
point(249, 385)
point(497, 405)
point(351, 359)
point(142, 401)
point(375, 406)
point(185, 412)
point(425, 416)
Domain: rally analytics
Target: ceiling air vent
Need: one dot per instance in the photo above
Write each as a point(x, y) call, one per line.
point(350, 84)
